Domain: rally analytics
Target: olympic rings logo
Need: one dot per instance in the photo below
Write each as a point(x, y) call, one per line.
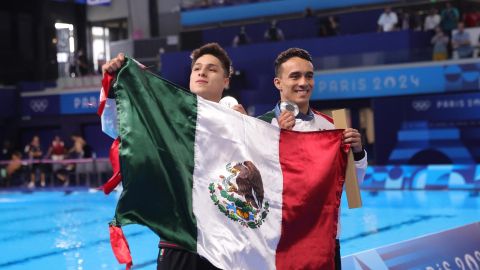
point(39, 105)
point(421, 105)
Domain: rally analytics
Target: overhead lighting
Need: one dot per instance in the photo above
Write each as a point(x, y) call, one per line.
point(64, 26)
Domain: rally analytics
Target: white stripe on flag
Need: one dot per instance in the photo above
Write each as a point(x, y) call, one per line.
point(224, 136)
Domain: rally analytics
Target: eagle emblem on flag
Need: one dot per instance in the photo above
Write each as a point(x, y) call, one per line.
point(239, 194)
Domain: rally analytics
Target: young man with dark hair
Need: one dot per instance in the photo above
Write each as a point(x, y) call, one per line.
point(211, 69)
point(294, 80)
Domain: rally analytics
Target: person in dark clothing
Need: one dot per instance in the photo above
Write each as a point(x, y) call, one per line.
point(329, 27)
point(82, 63)
point(241, 38)
point(274, 33)
point(34, 152)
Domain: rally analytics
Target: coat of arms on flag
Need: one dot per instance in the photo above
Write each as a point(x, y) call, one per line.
point(239, 194)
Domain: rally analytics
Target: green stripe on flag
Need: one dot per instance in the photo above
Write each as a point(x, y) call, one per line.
point(157, 122)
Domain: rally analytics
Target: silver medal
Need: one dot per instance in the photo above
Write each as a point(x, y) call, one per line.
point(228, 101)
point(289, 106)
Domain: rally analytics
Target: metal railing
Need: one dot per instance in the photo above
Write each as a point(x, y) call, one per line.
point(91, 172)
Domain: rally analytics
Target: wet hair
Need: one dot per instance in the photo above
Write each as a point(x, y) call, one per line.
point(217, 51)
point(290, 53)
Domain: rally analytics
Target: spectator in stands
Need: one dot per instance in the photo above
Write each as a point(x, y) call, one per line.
point(472, 18)
point(440, 45)
point(241, 38)
point(308, 12)
point(274, 33)
point(387, 20)
point(432, 21)
point(449, 18)
point(80, 149)
point(403, 18)
point(56, 151)
point(409, 20)
point(34, 152)
point(14, 169)
point(461, 45)
point(81, 62)
point(416, 20)
point(329, 27)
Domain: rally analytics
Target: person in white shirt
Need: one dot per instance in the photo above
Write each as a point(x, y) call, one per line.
point(432, 20)
point(387, 21)
point(461, 44)
point(294, 80)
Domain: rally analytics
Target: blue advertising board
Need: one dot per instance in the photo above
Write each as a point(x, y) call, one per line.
point(40, 105)
point(457, 248)
point(397, 80)
point(439, 129)
point(443, 107)
point(85, 102)
point(79, 103)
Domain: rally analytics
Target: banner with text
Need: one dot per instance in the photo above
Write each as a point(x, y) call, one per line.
point(434, 129)
point(79, 103)
point(396, 80)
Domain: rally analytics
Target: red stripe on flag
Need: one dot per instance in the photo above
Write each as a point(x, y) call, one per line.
point(106, 84)
point(120, 246)
point(115, 161)
point(312, 188)
point(329, 119)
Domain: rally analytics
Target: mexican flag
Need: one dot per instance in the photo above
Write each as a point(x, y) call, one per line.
point(238, 191)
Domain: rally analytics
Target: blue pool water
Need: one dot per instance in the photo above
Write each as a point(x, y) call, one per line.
point(69, 230)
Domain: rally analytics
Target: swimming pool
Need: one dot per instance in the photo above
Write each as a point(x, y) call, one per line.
point(68, 229)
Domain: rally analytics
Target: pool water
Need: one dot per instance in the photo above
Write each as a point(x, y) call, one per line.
point(68, 229)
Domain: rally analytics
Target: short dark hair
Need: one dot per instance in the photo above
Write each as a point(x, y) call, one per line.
point(217, 51)
point(290, 53)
